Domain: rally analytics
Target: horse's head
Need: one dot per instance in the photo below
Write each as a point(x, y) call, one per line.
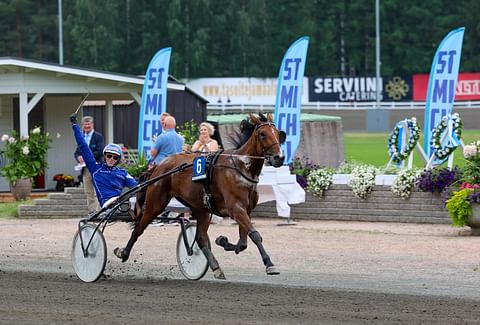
point(268, 139)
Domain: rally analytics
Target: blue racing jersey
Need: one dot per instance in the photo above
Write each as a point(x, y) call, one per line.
point(108, 181)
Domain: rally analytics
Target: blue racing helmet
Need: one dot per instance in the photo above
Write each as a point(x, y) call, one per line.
point(113, 148)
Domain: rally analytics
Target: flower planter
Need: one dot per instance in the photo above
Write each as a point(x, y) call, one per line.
point(474, 220)
point(340, 178)
point(379, 180)
point(385, 179)
point(21, 189)
point(381, 205)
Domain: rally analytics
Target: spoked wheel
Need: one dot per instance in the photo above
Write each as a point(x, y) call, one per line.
point(195, 266)
point(90, 266)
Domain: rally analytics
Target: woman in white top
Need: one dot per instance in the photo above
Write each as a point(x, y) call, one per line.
point(204, 142)
point(207, 144)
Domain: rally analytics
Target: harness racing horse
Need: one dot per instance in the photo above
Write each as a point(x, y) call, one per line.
point(229, 191)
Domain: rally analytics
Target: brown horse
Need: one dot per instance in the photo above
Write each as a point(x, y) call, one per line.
point(231, 190)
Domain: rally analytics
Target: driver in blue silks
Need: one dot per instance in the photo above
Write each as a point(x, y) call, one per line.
point(108, 180)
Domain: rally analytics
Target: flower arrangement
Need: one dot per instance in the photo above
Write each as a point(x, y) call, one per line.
point(471, 170)
point(399, 155)
point(63, 178)
point(302, 167)
point(442, 152)
point(404, 183)
point(26, 155)
point(459, 207)
point(319, 180)
point(63, 181)
point(437, 180)
point(362, 180)
point(466, 191)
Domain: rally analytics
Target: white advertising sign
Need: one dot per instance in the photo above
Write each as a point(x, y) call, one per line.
point(240, 91)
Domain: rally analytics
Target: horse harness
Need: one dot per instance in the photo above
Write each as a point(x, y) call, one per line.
point(210, 164)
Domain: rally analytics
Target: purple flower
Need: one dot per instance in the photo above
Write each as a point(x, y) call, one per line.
point(438, 179)
point(302, 167)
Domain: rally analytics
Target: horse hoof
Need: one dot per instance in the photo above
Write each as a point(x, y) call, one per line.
point(221, 241)
point(120, 253)
point(218, 274)
point(272, 270)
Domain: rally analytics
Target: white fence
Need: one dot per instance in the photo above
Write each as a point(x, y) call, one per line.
point(227, 108)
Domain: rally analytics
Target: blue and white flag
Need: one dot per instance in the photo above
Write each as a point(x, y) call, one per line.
point(154, 100)
point(442, 84)
point(289, 95)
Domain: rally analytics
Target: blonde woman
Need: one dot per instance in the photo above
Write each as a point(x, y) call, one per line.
point(205, 143)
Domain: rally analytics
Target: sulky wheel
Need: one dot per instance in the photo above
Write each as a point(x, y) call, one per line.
point(90, 266)
point(195, 266)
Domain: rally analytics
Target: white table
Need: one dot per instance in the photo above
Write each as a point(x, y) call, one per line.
point(277, 184)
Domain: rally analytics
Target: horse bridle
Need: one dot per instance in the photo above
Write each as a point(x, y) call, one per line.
point(264, 149)
point(257, 130)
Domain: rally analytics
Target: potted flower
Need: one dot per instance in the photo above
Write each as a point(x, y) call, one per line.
point(463, 204)
point(63, 181)
point(319, 180)
point(404, 183)
point(362, 180)
point(26, 158)
point(301, 168)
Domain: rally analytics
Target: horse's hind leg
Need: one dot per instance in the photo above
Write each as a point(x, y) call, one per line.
point(140, 226)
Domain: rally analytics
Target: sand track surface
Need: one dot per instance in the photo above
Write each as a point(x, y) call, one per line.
point(331, 272)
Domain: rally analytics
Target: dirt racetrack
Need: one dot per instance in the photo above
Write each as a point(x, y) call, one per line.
point(331, 273)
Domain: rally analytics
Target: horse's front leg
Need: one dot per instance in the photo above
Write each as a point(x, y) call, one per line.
point(203, 222)
point(255, 236)
point(246, 227)
point(240, 246)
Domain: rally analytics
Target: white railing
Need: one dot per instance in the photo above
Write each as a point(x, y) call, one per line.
point(335, 105)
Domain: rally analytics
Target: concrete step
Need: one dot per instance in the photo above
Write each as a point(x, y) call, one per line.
point(72, 203)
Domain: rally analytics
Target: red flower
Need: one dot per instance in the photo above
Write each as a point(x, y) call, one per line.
point(58, 177)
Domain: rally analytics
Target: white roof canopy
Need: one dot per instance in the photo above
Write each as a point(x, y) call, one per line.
point(31, 80)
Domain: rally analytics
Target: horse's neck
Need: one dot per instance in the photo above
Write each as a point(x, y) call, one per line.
point(249, 151)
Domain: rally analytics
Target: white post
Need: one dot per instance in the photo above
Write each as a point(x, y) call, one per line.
point(25, 108)
point(109, 112)
point(422, 152)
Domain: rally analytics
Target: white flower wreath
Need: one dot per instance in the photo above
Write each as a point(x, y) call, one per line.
point(395, 154)
point(442, 152)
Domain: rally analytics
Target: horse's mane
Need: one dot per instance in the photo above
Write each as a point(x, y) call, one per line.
point(245, 130)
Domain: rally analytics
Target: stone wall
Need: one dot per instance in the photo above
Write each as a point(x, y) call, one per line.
point(382, 205)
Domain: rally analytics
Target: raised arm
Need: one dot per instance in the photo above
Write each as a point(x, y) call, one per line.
point(85, 151)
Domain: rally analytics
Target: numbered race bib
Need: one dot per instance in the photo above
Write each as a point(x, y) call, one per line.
point(199, 169)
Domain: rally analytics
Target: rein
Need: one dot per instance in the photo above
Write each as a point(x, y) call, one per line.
point(264, 149)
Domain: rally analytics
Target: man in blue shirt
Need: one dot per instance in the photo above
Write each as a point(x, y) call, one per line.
point(167, 143)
